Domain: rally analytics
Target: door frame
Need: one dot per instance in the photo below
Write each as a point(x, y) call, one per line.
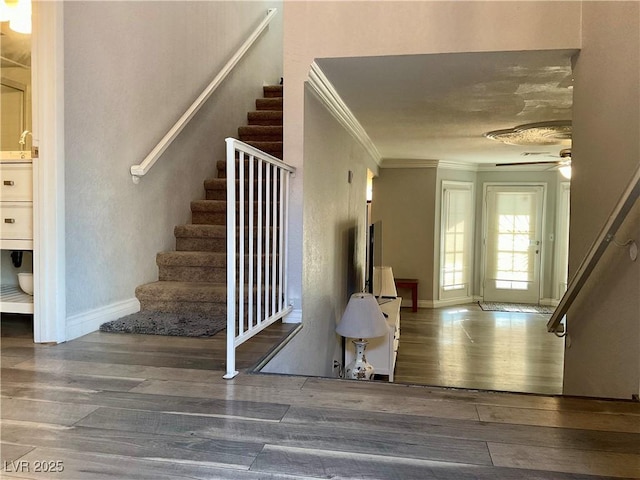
point(543, 234)
point(563, 215)
point(49, 319)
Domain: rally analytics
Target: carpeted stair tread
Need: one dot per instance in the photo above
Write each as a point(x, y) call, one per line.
point(209, 292)
point(262, 133)
point(194, 230)
point(200, 231)
point(221, 166)
point(270, 91)
point(265, 117)
point(266, 146)
point(209, 206)
point(192, 259)
point(269, 103)
point(201, 237)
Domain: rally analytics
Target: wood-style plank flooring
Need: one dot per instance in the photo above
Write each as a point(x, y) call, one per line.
point(110, 406)
point(463, 346)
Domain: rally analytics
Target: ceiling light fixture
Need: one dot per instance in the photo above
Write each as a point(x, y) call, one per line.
point(557, 132)
point(565, 171)
point(18, 14)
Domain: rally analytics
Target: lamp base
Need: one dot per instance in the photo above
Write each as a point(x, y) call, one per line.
point(359, 369)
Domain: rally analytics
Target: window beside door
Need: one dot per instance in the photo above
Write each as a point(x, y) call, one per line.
point(456, 239)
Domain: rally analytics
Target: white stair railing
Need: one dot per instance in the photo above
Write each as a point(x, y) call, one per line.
point(257, 219)
point(138, 171)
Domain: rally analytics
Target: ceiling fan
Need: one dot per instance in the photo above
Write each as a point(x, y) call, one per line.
point(563, 162)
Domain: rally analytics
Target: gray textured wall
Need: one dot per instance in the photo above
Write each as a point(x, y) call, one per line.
point(334, 241)
point(604, 325)
point(405, 201)
point(131, 70)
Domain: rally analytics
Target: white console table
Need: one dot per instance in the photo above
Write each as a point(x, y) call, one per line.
point(381, 352)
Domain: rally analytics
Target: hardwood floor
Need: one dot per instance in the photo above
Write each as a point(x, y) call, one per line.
point(111, 406)
point(466, 347)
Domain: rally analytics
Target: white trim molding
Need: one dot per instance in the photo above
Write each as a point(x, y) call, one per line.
point(90, 321)
point(328, 95)
point(430, 163)
point(294, 317)
point(48, 172)
point(409, 163)
point(440, 303)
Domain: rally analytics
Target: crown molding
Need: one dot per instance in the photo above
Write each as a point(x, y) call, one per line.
point(427, 163)
point(328, 95)
point(453, 165)
point(408, 163)
point(491, 167)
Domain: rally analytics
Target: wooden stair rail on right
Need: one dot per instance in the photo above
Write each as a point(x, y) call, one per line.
point(606, 235)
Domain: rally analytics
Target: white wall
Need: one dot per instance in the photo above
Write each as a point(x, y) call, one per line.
point(333, 243)
point(131, 70)
point(604, 323)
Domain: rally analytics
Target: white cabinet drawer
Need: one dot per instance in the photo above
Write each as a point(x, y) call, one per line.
point(16, 182)
point(16, 221)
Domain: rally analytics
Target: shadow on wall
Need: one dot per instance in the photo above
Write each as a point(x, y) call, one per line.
point(354, 269)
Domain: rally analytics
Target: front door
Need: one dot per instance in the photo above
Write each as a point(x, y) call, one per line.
point(513, 234)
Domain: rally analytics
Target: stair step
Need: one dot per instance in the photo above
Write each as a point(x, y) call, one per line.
point(201, 266)
point(199, 297)
point(201, 238)
point(221, 167)
point(260, 133)
point(210, 212)
point(214, 212)
point(270, 91)
point(175, 297)
point(192, 259)
point(192, 266)
point(216, 189)
point(269, 103)
point(272, 147)
point(265, 117)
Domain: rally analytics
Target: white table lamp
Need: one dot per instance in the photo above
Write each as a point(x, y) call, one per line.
point(384, 285)
point(362, 319)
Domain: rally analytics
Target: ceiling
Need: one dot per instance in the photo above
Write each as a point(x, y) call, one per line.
point(438, 107)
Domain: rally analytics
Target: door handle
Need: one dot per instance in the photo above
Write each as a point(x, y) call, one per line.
point(9, 183)
point(9, 220)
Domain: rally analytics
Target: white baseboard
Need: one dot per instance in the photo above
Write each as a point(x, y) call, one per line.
point(87, 322)
point(439, 303)
point(294, 317)
point(550, 302)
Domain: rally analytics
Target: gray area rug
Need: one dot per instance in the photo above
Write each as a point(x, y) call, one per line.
point(171, 324)
point(515, 307)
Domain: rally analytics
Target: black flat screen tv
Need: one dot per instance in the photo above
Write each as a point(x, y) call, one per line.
point(374, 252)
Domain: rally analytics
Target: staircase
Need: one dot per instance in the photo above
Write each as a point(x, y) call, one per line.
point(193, 278)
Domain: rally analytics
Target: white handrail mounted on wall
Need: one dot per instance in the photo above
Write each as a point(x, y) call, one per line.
point(257, 238)
point(606, 235)
point(140, 170)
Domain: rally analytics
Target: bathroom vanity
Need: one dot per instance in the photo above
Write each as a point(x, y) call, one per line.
point(16, 229)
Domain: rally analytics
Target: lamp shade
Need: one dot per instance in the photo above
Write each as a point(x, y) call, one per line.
point(384, 285)
point(362, 318)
